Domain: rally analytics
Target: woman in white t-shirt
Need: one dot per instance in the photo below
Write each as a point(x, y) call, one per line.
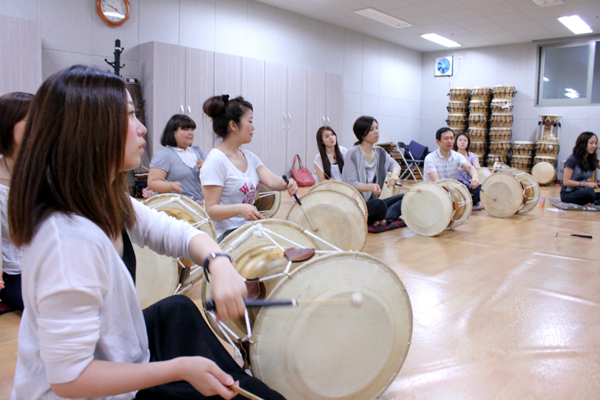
point(329, 161)
point(230, 176)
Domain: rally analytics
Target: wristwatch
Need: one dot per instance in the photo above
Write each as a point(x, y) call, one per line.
point(208, 259)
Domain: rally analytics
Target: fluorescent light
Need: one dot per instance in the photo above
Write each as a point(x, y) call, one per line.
point(575, 24)
point(383, 18)
point(440, 40)
point(548, 3)
point(546, 79)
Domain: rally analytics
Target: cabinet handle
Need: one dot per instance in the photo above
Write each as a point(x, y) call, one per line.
point(290, 115)
point(323, 118)
point(284, 116)
point(327, 119)
point(182, 109)
point(189, 110)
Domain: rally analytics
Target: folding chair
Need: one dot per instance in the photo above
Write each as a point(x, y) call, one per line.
point(412, 155)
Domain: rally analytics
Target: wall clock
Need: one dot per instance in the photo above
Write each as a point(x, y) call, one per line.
point(443, 66)
point(113, 12)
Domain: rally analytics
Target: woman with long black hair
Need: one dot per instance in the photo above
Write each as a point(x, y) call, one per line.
point(329, 161)
point(579, 168)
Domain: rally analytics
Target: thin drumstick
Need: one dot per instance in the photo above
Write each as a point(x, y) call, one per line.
point(312, 226)
point(244, 393)
point(355, 300)
point(488, 195)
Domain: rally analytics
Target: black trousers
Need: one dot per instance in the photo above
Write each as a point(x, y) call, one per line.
point(176, 328)
point(11, 294)
point(581, 196)
point(389, 209)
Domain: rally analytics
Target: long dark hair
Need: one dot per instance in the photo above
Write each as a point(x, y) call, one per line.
point(175, 122)
point(72, 151)
point(456, 140)
point(222, 110)
point(323, 151)
point(13, 109)
point(586, 161)
point(361, 127)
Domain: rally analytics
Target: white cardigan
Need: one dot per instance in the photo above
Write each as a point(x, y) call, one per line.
point(80, 301)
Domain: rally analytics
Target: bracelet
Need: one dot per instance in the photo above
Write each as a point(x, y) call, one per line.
point(208, 259)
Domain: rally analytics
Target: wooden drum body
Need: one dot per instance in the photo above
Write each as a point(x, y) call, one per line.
point(477, 121)
point(430, 208)
point(458, 107)
point(459, 94)
point(457, 122)
point(504, 92)
point(550, 160)
point(480, 93)
point(477, 147)
point(500, 134)
point(336, 217)
point(523, 148)
point(521, 162)
point(506, 193)
point(501, 120)
point(477, 134)
point(303, 352)
point(500, 148)
point(546, 148)
point(501, 106)
point(478, 107)
point(267, 201)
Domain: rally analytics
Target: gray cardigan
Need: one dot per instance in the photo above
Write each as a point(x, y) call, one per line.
point(355, 171)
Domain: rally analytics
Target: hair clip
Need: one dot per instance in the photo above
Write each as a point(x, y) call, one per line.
point(225, 98)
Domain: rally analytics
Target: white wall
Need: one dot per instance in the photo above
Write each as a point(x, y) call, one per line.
point(514, 64)
point(380, 78)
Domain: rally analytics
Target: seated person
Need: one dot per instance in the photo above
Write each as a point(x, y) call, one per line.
point(176, 168)
point(579, 168)
point(462, 142)
point(445, 162)
point(366, 167)
point(231, 175)
point(13, 112)
point(329, 161)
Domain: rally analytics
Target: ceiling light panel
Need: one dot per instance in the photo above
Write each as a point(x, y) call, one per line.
point(378, 16)
point(576, 24)
point(548, 3)
point(440, 40)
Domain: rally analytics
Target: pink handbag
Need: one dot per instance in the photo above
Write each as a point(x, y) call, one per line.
point(302, 175)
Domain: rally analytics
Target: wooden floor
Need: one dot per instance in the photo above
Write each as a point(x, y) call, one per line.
point(502, 308)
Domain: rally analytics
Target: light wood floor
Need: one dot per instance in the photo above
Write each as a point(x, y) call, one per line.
point(502, 308)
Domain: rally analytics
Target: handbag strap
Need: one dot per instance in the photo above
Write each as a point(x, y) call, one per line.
point(297, 157)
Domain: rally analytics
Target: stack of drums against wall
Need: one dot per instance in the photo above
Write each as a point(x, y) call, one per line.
point(501, 120)
point(479, 116)
point(546, 149)
point(458, 109)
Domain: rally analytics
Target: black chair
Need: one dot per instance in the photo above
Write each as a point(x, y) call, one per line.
point(413, 156)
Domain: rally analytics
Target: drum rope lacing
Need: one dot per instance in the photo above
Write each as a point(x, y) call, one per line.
point(177, 199)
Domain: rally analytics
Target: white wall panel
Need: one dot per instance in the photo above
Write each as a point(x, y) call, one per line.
point(353, 61)
point(352, 102)
point(371, 63)
point(370, 105)
point(159, 21)
point(231, 27)
point(26, 9)
point(54, 60)
point(66, 25)
point(333, 49)
point(197, 24)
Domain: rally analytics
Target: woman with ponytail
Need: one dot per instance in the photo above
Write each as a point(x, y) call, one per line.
point(230, 175)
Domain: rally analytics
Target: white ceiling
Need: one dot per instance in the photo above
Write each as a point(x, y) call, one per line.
point(472, 23)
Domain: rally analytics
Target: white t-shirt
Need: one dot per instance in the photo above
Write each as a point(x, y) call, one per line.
point(80, 301)
point(336, 174)
point(238, 187)
point(445, 167)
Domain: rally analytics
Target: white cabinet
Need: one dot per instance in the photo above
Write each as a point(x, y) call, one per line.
point(21, 61)
point(253, 90)
point(175, 80)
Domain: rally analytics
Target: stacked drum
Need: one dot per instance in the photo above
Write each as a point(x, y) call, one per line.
point(458, 109)
point(501, 121)
point(546, 149)
point(522, 156)
point(478, 120)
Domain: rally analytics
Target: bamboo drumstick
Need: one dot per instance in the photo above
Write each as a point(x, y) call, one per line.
point(244, 393)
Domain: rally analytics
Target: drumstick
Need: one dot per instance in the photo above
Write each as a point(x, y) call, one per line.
point(159, 177)
point(244, 393)
point(312, 226)
point(355, 301)
point(488, 195)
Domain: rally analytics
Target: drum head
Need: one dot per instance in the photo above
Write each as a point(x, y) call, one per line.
point(503, 195)
point(427, 209)
point(483, 174)
point(543, 173)
point(461, 199)
point(185, 209)
point(337, 218)
point(334, 352)
point(267, 201)
point(344, 188)
point(156, 276)
point(532, 191)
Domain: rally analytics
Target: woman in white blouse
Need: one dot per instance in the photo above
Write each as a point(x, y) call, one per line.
point(329, 162)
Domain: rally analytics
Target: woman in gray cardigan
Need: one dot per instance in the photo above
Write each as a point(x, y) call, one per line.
point(365, 168)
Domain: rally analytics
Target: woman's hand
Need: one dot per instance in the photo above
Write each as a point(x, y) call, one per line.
point(176, 187)
point(200, 202)
point(291, 187)
point(474, 183)
point(1, 280)
point(228, 288)
point(206, 377)
point(249, 212)
point(375, 189)
point(200, 163)
point(391, 182)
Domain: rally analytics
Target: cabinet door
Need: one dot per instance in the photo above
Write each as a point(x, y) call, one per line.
point(334, 102)
point(296, 110)
point(168, 95)
point(228, 75)
point(275, 117)
point(316, 92)
point(199, 84)
point(253, 90)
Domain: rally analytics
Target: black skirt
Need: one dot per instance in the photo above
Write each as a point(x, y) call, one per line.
point(176, 328)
